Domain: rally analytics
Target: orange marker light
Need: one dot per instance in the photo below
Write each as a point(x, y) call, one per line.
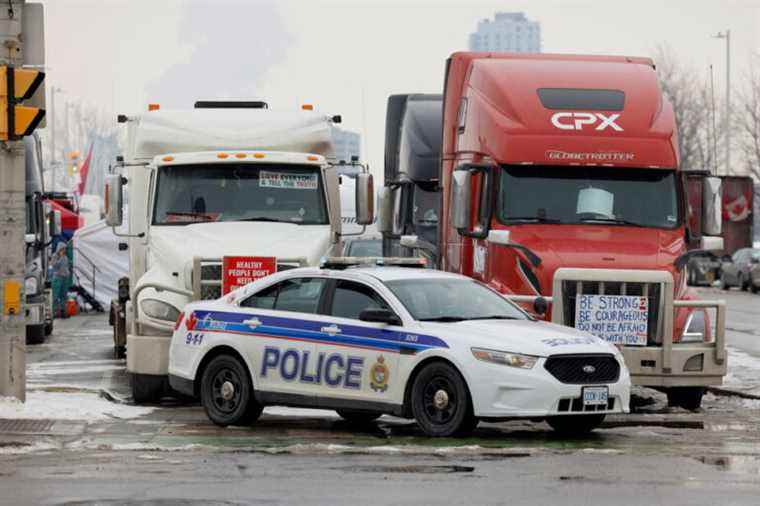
point(312, 158)
point(307, 107)
point(168, 158)
point(258, 155)
point(240, 155)
point(154, 107)
point(222, 155)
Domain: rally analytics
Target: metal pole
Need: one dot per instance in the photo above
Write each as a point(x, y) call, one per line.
point(51, 119)
point(728, 102)
point(12, 230)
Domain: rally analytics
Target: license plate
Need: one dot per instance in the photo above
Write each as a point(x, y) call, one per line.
point(595, 396)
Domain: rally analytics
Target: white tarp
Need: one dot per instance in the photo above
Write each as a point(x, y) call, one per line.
point(161, 132)
point(97, 245)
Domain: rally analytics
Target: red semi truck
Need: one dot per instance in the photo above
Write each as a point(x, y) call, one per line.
point(562, 189)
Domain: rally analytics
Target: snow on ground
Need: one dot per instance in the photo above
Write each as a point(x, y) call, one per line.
point(88, 407)
point(299, 412)
point(743, 371)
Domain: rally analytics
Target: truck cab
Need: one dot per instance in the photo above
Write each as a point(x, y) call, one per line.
point(412, 166)
point(39, 310)
point(205, 185)
point(562, 188)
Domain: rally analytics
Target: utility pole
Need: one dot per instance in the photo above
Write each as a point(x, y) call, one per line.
point(727, 123)
point(17, 84)
point(12, 229)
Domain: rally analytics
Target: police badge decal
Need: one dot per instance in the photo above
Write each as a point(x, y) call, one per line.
point(378, 375)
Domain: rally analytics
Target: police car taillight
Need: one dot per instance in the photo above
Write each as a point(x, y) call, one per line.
point(179, 320)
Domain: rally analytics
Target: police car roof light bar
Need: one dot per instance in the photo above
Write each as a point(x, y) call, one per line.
point(339, 263)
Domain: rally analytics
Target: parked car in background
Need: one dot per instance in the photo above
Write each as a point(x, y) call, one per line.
point(736, 272)
point(704, 270)
point(363, 246)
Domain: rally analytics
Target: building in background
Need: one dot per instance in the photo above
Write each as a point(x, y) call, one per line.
point(347, 144)
point(508, 31)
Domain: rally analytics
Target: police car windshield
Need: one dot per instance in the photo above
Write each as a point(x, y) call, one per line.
point(451, 300)
point(239, 192)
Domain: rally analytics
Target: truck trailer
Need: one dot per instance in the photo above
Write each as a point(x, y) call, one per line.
point(562, 190)
point(218, 195)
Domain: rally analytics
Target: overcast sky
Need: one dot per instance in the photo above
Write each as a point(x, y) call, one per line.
point(347, 56)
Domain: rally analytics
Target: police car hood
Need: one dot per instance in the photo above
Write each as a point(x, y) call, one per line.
point(536, 338)
point(175, 245)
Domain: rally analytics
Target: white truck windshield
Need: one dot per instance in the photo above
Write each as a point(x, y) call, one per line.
point(239, 192)
point(593, 195)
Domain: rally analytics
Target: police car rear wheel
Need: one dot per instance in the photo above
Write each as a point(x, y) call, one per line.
point(358, 417)
point(227, 394)
point(440, 401)
point(575, 425)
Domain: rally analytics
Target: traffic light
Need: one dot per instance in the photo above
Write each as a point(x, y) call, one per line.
point(17, 85)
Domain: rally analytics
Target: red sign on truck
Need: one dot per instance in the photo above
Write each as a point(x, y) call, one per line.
point(239, 271)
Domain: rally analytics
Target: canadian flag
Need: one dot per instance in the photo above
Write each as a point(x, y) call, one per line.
point(737, 209)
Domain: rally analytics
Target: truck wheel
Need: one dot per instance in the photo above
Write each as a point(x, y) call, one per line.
point(35, 334)
point(685, 397)
point(358, 417)
point(441, 403)
point(48, 328)
point(755, 288)
point(227, 393)
point(119, 352)
point(575, 425)
point(743, 283)
point(147, 387)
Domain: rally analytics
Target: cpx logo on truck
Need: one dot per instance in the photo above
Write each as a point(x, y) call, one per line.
point(577, 120)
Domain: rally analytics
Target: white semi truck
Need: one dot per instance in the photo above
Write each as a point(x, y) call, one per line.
point(225, 180)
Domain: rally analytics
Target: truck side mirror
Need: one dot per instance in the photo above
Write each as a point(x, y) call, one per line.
point(460, 199)
point(56, 226)
point(365, 199)
point(385, 210)
point(114, 200)
point(712, 199)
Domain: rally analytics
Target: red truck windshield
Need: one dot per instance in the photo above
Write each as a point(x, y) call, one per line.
point(588, 195)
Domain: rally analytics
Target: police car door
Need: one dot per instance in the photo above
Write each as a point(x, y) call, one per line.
point(361, 358)
point(283, 323)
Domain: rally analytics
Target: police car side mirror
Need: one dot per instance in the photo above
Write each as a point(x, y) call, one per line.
point(540, 306)
point(379, 316)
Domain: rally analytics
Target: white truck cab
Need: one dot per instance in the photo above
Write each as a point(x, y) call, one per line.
point(208, 184)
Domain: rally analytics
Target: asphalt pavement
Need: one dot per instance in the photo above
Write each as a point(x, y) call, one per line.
point(78, 440)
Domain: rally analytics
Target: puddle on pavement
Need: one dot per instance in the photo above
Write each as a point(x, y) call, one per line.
point(417, 469)
point(150, 502)
point(744, 464)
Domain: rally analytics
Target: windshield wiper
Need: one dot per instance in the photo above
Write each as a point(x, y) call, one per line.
point(495, 317)
point(444, 319)
point(532, 219)
point(265, 218)
point(616, 221)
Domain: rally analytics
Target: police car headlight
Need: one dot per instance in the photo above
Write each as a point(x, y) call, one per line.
point(694, 330)
point(159, 310)
point(505, 358)
point(31, 285)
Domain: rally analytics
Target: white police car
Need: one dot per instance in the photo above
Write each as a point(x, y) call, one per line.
point(438, 347)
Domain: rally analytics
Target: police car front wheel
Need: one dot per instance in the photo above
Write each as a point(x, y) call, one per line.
point(227, 393)
point(440, 401)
